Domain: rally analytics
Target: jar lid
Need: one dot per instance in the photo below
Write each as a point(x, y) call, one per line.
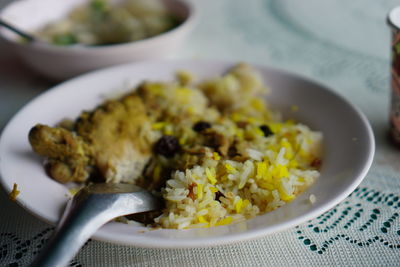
point(393, 18)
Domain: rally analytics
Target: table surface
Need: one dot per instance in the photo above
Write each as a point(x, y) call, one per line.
point(342, 44)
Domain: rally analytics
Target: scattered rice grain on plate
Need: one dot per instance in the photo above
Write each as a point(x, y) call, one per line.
point(312, 198)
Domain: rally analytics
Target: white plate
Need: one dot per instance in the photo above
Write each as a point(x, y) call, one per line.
point(348, 150)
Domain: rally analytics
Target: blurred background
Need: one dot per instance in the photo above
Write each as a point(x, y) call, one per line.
point(343, 44)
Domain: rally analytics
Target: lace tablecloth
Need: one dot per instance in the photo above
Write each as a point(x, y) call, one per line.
point(343, 44)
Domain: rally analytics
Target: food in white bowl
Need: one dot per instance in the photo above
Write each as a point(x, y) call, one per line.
point(106, 22)
point(212, 149)
point(159, 38)
point(347, 150)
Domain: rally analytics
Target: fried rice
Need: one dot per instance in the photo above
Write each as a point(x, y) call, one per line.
point(239, 159)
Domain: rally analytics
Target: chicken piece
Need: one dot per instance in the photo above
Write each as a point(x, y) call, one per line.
point(118, 134)
point(68, 154)
point(234, 89)
point(111, 143)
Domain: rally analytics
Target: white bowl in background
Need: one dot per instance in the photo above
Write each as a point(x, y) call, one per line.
point(62, 62)
point(348, 149)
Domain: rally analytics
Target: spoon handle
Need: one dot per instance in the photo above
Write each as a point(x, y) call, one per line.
point(7, 25)
point(86, 212)
point(81, 219)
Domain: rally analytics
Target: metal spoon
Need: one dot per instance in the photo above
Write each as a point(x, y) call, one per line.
point(20, 32)
point(86, 212)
